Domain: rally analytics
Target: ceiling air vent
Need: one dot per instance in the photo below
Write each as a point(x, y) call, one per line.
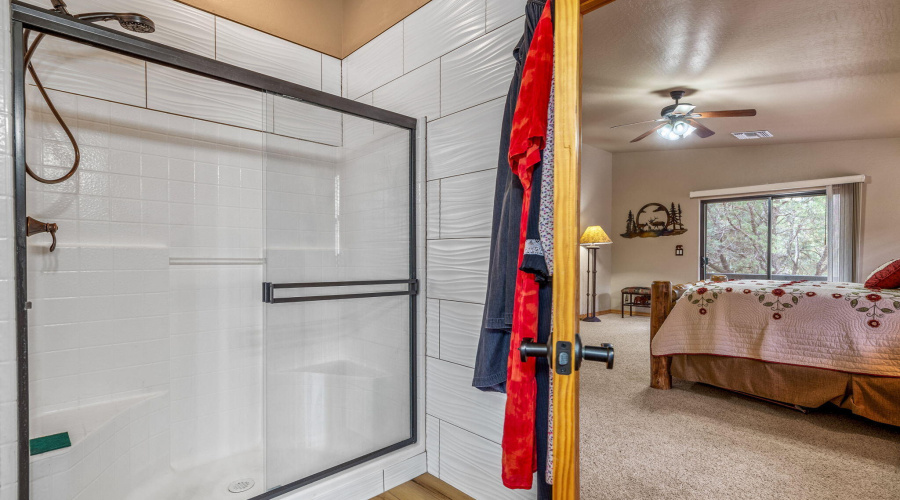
point(758, 134)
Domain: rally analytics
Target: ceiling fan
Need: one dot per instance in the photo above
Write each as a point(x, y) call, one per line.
point(679, 120)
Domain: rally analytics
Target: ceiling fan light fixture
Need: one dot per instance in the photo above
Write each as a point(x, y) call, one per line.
point(675, 130)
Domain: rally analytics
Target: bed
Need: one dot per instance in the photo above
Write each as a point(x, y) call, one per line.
point(799, 343)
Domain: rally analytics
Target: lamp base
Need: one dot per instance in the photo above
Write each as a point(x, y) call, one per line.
point(591, 319)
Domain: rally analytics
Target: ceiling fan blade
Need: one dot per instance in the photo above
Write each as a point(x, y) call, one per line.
point(702, 131)
point(725, 114)
point(683, 109)
point(638, 123)
point(645, 134)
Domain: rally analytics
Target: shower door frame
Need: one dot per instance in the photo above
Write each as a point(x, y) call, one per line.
point(25, 16)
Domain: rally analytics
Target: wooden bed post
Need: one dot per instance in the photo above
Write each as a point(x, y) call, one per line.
point(661, 305)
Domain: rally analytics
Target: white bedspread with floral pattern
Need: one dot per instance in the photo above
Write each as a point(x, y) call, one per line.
point(835, 326)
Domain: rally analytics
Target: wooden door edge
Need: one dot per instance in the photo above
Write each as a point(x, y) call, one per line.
point(567, 190)
point(592, 5)
point(567, 206)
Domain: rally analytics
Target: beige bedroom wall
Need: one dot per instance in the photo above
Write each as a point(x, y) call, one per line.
point(669, 176)
point(596, 210)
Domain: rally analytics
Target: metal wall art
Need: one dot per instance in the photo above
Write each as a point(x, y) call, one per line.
point(653, 220)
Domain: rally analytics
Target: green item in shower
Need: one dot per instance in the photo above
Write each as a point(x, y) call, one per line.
point(50, 443)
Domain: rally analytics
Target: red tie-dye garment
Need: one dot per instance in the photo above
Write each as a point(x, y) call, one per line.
point(527, 139)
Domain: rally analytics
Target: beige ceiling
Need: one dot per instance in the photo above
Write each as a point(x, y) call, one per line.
point(335, 27)
point(815, 70)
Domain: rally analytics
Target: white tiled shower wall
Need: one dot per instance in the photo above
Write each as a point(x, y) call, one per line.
point(452, 61)
point(158, 189)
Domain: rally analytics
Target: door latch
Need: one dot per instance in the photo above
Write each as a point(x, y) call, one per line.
point(567, 354)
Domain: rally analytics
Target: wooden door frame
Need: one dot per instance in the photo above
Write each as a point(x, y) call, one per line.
point(566, 257)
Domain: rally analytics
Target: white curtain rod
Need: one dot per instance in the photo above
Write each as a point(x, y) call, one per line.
point(779, 186)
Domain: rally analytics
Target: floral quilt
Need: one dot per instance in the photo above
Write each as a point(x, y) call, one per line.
point(835, 326)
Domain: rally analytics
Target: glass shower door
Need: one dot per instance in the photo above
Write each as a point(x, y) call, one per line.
point(339, 292)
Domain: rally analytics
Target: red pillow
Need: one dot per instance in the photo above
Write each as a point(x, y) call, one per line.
point(886, 276)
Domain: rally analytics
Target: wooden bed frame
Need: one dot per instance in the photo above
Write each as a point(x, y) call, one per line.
point(660, 307)
point(865, 395)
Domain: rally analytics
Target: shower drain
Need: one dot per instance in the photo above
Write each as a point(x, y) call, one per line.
point(241, 486)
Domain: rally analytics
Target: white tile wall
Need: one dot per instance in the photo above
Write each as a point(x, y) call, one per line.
point(460, 325)
point(182, 93)
point(479, 71)
point(113, 300)
point(84, 70)
point(308, 122)
point(433, 329)
point(465, 142)
point(500, 12)
point(433, 444)
point(457, 269)
point(177, 24)
point(375, 63)
point(451, 398)
point(462, 152)
point(92, 72)
point(331, 75)
point(416, 93)
point(467, 205)
point(216, 378)
point(433, 217)
point(158, 186)
point(248, 48)
point(438, 27)
point(128, 445)
point(472, 464)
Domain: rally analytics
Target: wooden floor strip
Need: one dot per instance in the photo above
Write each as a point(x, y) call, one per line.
point(424, 487)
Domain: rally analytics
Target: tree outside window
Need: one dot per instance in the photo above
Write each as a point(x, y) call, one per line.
point(738, 234)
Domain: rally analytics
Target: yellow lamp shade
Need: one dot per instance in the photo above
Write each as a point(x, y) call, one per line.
point(594, 235)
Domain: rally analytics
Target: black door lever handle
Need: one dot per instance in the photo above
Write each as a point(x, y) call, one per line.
point(530, 348)
point(603, 353)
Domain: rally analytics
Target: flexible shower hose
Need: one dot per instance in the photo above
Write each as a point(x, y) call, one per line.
point(29, 52)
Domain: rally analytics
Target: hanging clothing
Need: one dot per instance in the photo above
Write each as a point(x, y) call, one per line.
point(543, 376)
point(533, 260)
point(493, 344)
point(539, 239)
point(526, 144)
point(539, 261)
point(545, 222)
point(545, 393)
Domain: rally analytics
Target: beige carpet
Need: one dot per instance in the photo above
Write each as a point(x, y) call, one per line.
point(701, 442)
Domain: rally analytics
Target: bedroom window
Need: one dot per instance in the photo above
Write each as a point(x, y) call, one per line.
point(775, 237)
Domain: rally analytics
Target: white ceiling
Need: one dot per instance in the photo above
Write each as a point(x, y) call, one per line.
point(815, 70)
